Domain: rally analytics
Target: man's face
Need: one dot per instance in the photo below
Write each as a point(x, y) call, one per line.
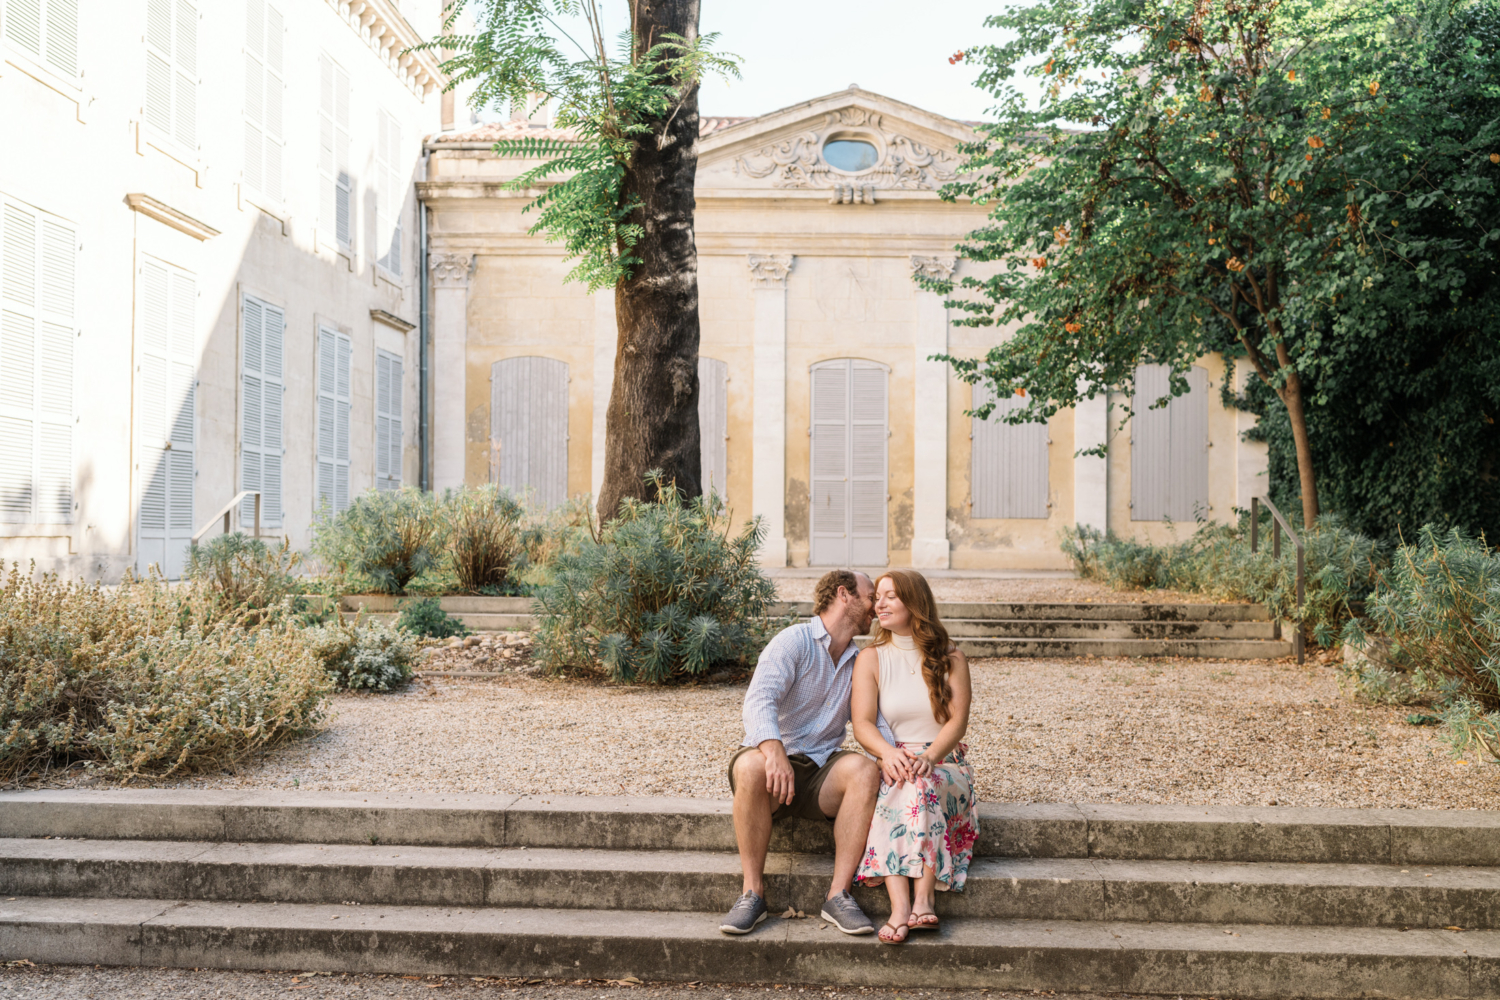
point(860, 610)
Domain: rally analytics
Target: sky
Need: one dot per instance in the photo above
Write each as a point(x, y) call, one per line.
point(794, 50)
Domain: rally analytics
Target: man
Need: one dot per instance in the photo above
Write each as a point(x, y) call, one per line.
point(790, 763)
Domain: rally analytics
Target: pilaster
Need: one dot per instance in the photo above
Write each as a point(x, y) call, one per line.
point(450, 334)
point(929, 543)
point(606, 342)
point(768, 468)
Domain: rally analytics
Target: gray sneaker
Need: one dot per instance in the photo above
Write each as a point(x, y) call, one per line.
point(747, 911)
point(844, 913)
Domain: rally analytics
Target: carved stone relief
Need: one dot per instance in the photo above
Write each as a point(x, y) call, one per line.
point(934, 268)
point(450, 270)
point(904, 163)
point(770, 270)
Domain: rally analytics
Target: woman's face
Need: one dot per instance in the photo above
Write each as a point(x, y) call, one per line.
point(888, 607)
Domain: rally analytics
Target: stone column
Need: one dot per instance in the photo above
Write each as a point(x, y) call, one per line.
point(768, 471)
point(450, 334)
point(1252, 459)
point(1090, 472)
point(929, 527)
point(606, 342)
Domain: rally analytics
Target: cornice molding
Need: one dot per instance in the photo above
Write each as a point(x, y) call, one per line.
point(391, 320)
point(770, 270)
point(381, 26)
point(167, 215)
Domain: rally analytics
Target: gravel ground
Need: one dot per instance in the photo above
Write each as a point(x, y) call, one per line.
point(1039, 591)
point(78, 983)
point(1080, 730)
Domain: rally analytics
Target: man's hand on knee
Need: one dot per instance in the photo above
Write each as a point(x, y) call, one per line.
point(781, 781)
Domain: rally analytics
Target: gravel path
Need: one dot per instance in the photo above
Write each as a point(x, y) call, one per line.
point(78, 983)
point(1083, 730)
point(1041, 591)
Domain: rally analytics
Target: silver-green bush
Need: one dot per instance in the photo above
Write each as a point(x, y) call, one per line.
point(364, 655)
point(383, 540)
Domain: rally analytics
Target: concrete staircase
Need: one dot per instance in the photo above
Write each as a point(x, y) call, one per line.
point(1209, 901)
point(1217, 631)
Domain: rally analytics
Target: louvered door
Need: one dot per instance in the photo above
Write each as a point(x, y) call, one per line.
point(1168, 447)
point(529, 428)
point(167, 416)
point(1008, 476)
point(713, 424)
point(849, 499)
point(262, 393)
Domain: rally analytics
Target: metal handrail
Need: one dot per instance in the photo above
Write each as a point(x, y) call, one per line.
point(1277, 523)
point(229, 509)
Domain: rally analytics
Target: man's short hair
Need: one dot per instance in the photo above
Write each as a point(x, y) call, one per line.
point(828, 588)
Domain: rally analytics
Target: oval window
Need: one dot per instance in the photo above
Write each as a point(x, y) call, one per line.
point(850, 155)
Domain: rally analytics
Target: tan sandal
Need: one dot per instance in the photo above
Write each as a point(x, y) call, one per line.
point(893, 928)
point(923, 922)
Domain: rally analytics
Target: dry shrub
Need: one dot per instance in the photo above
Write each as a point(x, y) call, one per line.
point(143, 679)
point(484, 538)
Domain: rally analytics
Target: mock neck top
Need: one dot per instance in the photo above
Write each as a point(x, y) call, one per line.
point(904, 701)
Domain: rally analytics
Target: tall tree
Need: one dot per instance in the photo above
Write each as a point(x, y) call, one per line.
point(618, 194)
point(1198, 176)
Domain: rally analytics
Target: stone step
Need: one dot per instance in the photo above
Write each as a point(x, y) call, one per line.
point(1402, 837)
point(1000, 888)
point(1053, 628)
point(1210, 649)
point(1096, 956)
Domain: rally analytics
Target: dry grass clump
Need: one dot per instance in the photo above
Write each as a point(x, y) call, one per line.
point(143, 679)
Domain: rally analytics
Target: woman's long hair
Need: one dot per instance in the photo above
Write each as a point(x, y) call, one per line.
point(929, 634)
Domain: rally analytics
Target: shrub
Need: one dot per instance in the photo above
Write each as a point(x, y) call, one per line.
point(427, 618)
point(1341, 568)
point(384, 539)
point(364, 655)
point(547, 536)
point(1438, 611)
point(660, 593)
point(243, 572)
point(484, 539)
point(145, 679)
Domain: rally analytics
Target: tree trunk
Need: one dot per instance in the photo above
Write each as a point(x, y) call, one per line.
point(652, 422)
point(1291, 395)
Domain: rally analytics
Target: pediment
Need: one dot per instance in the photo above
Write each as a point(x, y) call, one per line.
point(786, 150)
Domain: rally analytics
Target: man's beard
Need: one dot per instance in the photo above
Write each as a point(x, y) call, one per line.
point(859, 619)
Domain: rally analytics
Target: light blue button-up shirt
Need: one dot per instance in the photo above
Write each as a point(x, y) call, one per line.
point(800, 696)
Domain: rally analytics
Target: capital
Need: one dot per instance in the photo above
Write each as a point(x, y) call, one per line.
point(450, 270)
point(934, 268)
point(770, 270)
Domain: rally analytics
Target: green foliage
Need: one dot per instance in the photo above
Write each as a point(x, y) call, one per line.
point(428, 619)
point(145, 679)
point(1438, 613)
point(364, 655)
point(663, 592)
point(1283, 180)
point(484, 539)
point(244, 572)
point(1340, 569)
point(384, 540)
point(610, 104)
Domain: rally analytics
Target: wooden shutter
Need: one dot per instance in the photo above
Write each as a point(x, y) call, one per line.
point(713, 424)
point(1008, 476)
point(1168, 447)
point(172, 70)
point(849, 479)
point(37, 331)
point(262, 394)
point(46, 30)
point(388, 375)
point(529, 428)
point(263, 95)
point(23, 25)
point(391, 193)
point(334, 356)
point(167, 409)
point(333, 151)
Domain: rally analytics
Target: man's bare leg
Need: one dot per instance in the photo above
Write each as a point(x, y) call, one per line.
point(752, 819)
point(848, 794)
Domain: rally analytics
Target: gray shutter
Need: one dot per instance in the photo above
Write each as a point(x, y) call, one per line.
point(172, 70)
point(344, 185)
point(868, 487)
point(185, 78)
point(529, 427)
point(18, 347)
point(55, 376)
point(62, 36)
point(262, 393)
point(713, 424)
point(1009, 466)
point(23, 25)
point(167, 415)
point(828, 529)
point(1168, 447)
point(263, 93)
point(388, 373)
point(327, 168)
point(159, 65)
point(390, 192)
point(344, 383)
point(334, 357)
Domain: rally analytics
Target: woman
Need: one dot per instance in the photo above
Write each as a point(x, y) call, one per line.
point(926, 819)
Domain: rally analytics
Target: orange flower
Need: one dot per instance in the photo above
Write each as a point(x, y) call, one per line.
point(1315, 142)
point(1235, 264)
point(1206, 95)
point(1072, 327)
point(1020, 392)
point(1495, 157)
point(1048, 68)
point(956, 57)
point(1039, 262)
point(1327, 113)
point(1292, 76)
point(1374, 87)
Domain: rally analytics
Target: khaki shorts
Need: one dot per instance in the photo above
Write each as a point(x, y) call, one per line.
point(809, 778)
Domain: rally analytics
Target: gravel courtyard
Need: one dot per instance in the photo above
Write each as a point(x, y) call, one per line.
point(1092, 730)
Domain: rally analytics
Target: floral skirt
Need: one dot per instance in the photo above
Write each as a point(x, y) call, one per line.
point(932, 821)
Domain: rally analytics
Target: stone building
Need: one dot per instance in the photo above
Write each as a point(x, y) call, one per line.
point(820, 410)
point(210, 279)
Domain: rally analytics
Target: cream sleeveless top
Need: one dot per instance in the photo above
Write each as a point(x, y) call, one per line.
point(903, 692)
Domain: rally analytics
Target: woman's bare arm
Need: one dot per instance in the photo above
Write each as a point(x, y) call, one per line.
point(952, 733)
point(864, 706)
